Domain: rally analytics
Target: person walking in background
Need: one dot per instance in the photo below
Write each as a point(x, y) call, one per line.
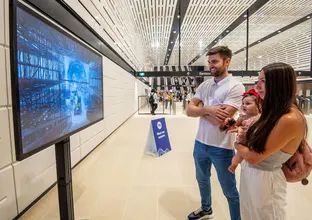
point(153, 101)
point(221, 98)
point(166, 97)
point(170, 98)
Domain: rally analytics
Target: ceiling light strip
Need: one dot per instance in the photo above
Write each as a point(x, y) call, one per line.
point(174, 27)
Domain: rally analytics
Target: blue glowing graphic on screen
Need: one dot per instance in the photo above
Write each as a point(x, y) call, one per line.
point(60, 82)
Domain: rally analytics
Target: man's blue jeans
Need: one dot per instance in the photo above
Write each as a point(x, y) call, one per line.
point(205, 156)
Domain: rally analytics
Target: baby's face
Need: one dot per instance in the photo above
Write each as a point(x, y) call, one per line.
point(249, 106)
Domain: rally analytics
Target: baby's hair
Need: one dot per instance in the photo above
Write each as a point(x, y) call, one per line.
point(256, 97)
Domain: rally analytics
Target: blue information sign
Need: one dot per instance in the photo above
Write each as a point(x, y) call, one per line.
point(158, 140)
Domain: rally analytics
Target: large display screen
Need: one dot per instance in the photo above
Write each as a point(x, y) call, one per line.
point(59, 83)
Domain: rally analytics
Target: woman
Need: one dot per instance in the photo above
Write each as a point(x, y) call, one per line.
point(271, 141)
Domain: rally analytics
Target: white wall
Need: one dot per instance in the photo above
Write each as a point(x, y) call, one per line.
point(22, 182)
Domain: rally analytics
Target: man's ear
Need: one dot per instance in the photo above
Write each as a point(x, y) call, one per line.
point(227, 61)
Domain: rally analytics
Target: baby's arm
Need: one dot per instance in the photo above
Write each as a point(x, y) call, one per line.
point(239, 121)
point(235, 161)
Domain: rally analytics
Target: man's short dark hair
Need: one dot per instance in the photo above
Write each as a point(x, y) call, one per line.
point(224, 52)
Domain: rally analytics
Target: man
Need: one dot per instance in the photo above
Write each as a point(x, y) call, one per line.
point(153, 101)
point(215, 100)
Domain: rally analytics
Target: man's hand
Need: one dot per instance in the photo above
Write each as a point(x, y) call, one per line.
point(214, 114)
point(200, 104)
point(212, 120)
point(218, 112)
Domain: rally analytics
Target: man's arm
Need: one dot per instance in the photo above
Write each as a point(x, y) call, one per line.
point(233, 100)
point(211, 119)
point(230, 110)
point(214, 114)
point(194, 109)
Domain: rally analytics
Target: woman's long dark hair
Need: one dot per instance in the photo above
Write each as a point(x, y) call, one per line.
point(280, 89)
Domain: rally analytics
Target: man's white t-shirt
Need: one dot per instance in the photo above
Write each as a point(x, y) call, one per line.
point(226, 92)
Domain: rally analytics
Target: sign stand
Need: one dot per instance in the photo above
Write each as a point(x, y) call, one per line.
point(64, 179)
point(158, 142)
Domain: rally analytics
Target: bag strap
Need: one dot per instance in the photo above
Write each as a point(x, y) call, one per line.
point(303, 143)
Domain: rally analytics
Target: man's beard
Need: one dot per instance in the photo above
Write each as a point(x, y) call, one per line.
point(219, 72)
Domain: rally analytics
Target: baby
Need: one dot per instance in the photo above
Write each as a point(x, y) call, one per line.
point(251, 109)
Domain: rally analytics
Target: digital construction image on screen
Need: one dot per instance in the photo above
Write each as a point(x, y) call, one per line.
point(60, 82)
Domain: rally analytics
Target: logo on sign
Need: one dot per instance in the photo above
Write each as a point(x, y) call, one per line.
point(159, 125)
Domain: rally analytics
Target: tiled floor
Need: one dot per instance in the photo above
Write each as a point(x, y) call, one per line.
point(118, 182)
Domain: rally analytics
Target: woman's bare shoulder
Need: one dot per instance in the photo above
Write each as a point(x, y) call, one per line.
point(294, 118)
point(293, 124)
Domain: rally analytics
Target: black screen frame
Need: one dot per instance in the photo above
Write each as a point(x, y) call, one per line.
point(14, 4)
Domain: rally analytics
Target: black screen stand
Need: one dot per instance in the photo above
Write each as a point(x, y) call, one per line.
point(64, 179)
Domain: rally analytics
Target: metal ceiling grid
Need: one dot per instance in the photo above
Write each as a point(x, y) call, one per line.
point(273, 16)
point(292, 46)
point(114, 23)
point(235, 40)
point(276, 14)
point(203, 22)
point(120, 9)
point(153, 21)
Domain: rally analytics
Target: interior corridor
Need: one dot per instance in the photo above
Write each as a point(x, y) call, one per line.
point(118, 182)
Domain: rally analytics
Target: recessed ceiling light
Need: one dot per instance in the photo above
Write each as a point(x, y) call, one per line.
point(178, 16)
point(308, 17)
point(227, 31)
point(216, 41)
point(174, 32)
point(171, 42)
point(259, 41)
point(169, 49)
point(279, 31)
point(167, 55)
point(245, 16)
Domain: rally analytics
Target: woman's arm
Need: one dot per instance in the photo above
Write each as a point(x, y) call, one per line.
point(285, 131)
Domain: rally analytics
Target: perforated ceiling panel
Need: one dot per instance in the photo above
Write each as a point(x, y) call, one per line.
point(293, 47)
point(153, 20)
point(235, 40)
point(275, 15)
point(270, 18)
point(139, 30)
point(113, 21)
point(203, 22)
